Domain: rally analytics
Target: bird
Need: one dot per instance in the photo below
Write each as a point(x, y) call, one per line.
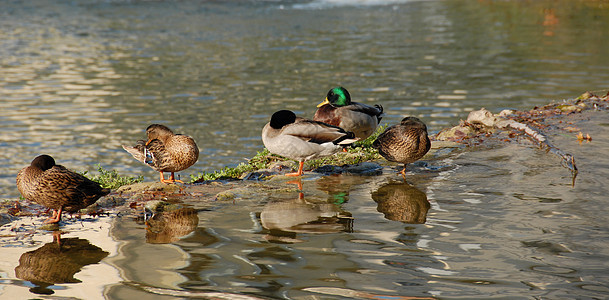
point(56, 187)
point(165, 151)
point(404, 143)
point(302, 139)
point(338, 110)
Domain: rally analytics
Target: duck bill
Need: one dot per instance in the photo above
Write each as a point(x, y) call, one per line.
point(148, 142)
point(323, 103)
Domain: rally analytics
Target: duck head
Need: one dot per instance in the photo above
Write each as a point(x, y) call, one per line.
point(337, 97)
point(43, 162)
point(282, 118)
point(158, 131)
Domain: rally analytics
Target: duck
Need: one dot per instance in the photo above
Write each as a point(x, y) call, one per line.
point(302, 139)
point(165, 151)
point(56, 187)
point(338, 110)
point(404, 143)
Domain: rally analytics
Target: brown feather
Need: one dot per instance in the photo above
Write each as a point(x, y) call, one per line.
point(405, 143)
point(167, 152)
point(361, 119)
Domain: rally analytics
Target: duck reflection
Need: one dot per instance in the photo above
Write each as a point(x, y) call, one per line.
point(169, 226)
point(339, 186)
point(285, 218)
point(400, 201)
point(57, 262)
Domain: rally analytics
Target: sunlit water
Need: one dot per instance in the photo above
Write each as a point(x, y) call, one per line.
point(80, 78)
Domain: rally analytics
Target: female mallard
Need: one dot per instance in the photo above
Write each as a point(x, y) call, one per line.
point(56, 187)
point(301, 139)
point(404, 143)
point(165, 151)
point(338, 110)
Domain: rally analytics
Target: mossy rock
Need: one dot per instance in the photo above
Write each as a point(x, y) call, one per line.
point(457, 132)
point(149, 186)
point(226, 196)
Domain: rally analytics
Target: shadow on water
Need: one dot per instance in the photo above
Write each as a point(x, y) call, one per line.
point(57, 262)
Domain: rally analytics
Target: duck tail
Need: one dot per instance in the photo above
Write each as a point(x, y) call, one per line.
point(137, 151)
point(347, 139)
point(380, 114)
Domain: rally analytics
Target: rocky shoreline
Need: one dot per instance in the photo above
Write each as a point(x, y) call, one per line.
point(480, 128)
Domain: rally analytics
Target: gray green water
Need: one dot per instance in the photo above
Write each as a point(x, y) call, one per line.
point(80, 78)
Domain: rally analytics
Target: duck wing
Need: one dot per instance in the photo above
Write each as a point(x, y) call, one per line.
point(318, 132)
point(387, 142)
point(59, 187)
point(157, 155)
point(376, 110)
point(154, 154)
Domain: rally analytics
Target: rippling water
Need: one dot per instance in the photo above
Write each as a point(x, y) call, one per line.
point(80, 78)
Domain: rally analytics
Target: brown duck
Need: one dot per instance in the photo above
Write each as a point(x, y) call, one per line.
point(404, 143)
point(56, 187)
point(165, 151)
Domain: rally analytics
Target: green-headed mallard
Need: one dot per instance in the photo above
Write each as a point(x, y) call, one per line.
point(404, 143)
point(56, 187)
point(301, 139)
point(338, 110)
point(165, 151)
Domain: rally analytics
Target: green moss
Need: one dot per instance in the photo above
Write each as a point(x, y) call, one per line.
point(111, 179)
point(261, 160)
point(359, 152)
point(367, 143)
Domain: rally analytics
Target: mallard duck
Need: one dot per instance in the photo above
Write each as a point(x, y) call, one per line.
point(165, 151)
point(404, 143)
point(56, 187)
point(338, 110)
point(301, 139)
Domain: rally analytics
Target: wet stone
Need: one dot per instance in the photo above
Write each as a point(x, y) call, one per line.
point(364, 168)
point(149, 186)
point(49, 227)
point(259, 175)
point(106, 202)
point(226, 196)
point(6, 218)
point(329, 170)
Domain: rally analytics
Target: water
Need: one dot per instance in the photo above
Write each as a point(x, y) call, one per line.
point(80, 78)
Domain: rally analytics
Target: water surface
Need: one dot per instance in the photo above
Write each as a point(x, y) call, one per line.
point(80, 78)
